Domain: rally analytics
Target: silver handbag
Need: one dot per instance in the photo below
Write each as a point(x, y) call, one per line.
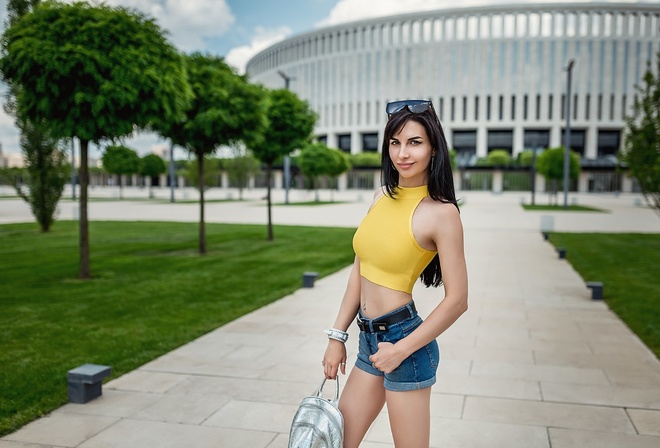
point(318, 422)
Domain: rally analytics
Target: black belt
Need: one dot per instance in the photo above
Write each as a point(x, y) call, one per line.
point(383, 324)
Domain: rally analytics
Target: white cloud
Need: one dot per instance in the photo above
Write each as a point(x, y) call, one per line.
point(263, 38)
point(187, 21)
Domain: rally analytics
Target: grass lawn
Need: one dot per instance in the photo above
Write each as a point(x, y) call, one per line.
point(560, 208)
point(151, 293)
point(628, 266)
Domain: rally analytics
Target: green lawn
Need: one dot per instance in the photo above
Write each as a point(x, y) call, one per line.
point(628, 265)
point(151, 292)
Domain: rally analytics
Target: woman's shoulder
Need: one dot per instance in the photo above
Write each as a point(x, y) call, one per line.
point(439, 209)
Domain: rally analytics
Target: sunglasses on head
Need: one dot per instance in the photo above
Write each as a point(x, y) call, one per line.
point(414, 106)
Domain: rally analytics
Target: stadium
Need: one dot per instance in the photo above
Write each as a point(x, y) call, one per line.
point(497, 77)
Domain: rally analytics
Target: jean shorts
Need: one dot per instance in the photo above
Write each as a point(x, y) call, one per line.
point(416, 371)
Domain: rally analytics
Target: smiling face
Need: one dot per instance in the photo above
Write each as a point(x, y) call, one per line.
point(410, 151)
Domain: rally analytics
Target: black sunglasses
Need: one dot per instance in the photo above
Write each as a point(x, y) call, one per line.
point(414, 106)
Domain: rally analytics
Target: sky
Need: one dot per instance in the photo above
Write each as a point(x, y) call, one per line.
point(239, 29)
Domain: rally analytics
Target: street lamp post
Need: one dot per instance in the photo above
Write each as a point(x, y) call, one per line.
point(567, 137)
point(287, 160)
point(171, 172)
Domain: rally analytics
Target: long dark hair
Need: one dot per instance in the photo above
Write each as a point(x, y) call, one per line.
point(441, 178)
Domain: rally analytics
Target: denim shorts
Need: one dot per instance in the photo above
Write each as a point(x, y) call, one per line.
point(416, 371)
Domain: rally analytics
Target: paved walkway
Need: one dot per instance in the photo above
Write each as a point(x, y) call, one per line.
point(533, 363)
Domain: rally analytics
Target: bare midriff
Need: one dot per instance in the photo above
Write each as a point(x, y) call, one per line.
point(376, 300)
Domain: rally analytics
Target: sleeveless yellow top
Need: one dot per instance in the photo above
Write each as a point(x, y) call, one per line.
point(385, 245)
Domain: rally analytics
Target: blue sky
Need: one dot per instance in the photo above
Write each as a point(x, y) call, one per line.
point(238, 29)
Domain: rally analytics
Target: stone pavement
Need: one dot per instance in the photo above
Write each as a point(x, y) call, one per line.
point(533, 363)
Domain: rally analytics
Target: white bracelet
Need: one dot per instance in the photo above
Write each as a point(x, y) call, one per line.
point(337, 335)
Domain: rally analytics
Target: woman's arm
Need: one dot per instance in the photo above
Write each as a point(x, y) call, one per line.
point(448, 238)
point(335, 354)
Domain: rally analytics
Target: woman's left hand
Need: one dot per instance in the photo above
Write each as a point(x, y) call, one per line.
point(387, 358)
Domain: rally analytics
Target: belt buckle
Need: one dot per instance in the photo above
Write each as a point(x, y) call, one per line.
point(380, 326)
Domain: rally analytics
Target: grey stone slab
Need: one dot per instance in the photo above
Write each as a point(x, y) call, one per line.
point(646, 422)
point(488, 387)
point(142, 434)
point(601, 395)
point(473, 434)
point(560, 374)
point(538, 413)
point(191, 408)
point(146, 381)
point(461, 352)
point(570, 438)
point(113, 403)
point(254, 416)
point(10, 444)
point(60, 429)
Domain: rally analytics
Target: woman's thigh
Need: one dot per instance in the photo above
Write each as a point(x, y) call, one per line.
point(410, 417)
point(361, 400)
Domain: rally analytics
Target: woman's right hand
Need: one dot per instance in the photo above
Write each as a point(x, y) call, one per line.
point(334, 359)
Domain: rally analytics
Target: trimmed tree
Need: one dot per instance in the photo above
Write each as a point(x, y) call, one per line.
point(550, 164)
point(121, 161)
point(241, 168)
point(152, 166)
point(226, 109)
point(642, 141)
point(48, 170)
point(289, 125)
point(94, 73)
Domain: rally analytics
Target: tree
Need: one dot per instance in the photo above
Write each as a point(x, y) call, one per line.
point(499, 157)
point(48, 171)
point(211, 173)
point(316, 159)
point(121, 161)
point(226, 109)
point(241, 168)
point(44, 160)
point(550, 164)
point(152, 166)
point(642, 140)
point(341, 164)
point(94, 73)
point(289, 125)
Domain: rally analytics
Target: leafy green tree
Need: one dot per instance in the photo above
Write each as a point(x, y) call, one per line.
point(550, 164)
point(121, 161)
point(152, 166)
point(48, 170)
point(211, 173)
point(316, 160)
point(289, 125)
point(499, 157)
point(241, 168)
point(366, 160)
point(642, 141)
point(18, 8)
point(341, 164)
point(95, 73)
point(226, 109)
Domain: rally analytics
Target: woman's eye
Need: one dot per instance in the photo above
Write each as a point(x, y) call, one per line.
point(394, 143)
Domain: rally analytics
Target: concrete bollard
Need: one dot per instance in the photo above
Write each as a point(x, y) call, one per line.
point(596, 290)
point(84, 382)
point(308, 279)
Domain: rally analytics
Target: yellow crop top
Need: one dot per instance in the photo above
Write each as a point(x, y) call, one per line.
point(385, 245)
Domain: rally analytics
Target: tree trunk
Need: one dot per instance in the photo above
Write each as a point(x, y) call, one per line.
point(83, 223)
point(202, 227)
point(269, 171)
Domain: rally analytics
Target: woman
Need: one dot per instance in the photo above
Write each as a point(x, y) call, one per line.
point(412, 229)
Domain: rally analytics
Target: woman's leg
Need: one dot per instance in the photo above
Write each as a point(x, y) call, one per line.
point(410, 417)
point(362, 399)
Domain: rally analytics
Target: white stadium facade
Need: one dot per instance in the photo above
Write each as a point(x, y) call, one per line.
point(497, 77)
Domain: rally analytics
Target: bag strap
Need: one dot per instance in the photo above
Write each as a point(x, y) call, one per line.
point(319, 394)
